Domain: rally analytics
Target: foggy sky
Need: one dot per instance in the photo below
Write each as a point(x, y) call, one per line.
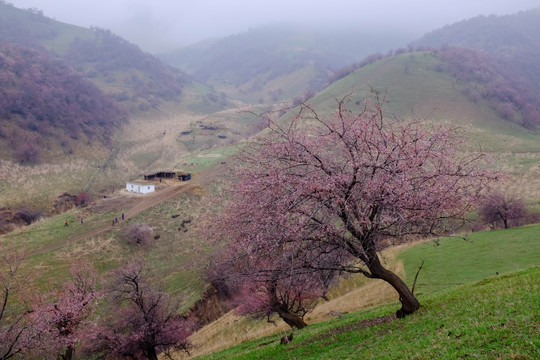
point(161, 25)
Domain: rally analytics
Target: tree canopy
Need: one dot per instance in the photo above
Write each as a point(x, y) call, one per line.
point(330, 191)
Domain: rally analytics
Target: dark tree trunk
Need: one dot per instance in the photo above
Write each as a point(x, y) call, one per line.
point(151, 353)
point(409, 304)
point(293, 320)
point(68, 355)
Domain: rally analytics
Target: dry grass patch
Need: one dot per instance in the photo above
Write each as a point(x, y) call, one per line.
point(97, 245)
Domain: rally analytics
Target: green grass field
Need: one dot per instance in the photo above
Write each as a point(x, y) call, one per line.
point(455, 261)
point(468, 311)
point(496, 318)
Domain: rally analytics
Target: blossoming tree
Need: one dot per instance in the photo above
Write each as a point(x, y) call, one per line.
point(329, 191)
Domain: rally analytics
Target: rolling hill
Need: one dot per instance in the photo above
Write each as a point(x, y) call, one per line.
point(417, 86)
point(276, 62)
point(134, 78)
point(512, 46)
point(66, 89)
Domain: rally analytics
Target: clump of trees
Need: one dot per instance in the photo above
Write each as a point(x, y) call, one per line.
point(83, 199)
point(511, 97)
point(45, 99)
point(324, 193)
point(143, 322)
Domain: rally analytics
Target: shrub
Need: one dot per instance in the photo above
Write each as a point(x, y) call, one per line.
point(500, 210)
point(83, 199)
point(28, 215)
point(139, 234)
point(27, 152)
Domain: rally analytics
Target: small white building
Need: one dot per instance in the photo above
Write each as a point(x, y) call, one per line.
point(138, 188)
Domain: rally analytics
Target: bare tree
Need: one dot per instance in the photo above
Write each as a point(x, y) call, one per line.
point(145, 322)
point(17, 332)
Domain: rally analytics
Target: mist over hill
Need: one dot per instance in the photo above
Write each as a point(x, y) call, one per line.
point(280, 61)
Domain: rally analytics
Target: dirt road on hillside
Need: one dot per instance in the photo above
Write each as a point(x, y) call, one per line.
point(136, 205)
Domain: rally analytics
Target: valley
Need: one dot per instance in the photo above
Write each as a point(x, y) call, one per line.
point(198, 119)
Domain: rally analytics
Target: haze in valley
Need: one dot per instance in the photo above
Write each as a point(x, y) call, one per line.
point(161, 26)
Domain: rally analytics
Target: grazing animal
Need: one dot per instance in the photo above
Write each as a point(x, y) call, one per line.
point(286, 339)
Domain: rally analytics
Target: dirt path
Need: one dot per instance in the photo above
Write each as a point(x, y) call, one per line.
point(138, 205)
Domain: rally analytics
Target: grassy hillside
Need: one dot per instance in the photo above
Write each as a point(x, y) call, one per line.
point(416, 89)
point(32, 28)
point(449, 276)
point(495, 318)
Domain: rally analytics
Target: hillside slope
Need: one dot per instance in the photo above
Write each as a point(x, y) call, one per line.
point(276, 62)
point(417, 87)
point(65, 88)
point(137, 80)
point(512, 44)
point(48, 109)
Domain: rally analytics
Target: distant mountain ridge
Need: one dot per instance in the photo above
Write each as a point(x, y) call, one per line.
point(276, 62)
